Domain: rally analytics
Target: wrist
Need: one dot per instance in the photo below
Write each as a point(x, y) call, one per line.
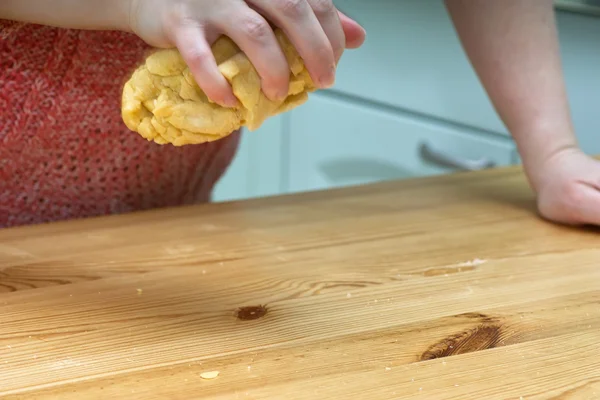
point(540, 154)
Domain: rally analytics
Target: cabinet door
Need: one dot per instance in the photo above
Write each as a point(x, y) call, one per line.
point(335, 142)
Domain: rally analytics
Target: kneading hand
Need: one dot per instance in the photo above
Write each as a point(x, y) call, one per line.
point(315, 28)
point(164, 104)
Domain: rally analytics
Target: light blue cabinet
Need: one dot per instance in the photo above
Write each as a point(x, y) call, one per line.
point(258, 167)
point(409, 86)
point(413, 60)
point(335, 142)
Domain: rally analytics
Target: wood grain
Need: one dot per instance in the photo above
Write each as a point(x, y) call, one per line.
point(442, 288)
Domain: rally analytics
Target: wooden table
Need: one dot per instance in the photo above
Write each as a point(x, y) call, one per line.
point(439, 288)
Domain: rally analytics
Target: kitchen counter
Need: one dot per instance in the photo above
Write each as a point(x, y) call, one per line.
point(446, 287)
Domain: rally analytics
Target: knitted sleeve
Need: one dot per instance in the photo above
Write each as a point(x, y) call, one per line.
point(64, 149)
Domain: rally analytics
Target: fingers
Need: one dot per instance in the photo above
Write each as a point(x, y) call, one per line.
point(191, 41)
point(253, 34)
point(300, 23)
point(329, 19)
point(317, 30)
point(571, 203)
point(355, 34)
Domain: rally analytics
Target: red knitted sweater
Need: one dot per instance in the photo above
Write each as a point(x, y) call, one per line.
point(64, 150)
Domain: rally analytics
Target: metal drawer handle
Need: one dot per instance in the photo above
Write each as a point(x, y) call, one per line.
point(445, 160)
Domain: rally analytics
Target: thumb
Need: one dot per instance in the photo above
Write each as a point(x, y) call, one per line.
point(355, 34)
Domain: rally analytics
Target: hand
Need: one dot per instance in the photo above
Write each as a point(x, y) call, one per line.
point(315, 27)
point(570, 190)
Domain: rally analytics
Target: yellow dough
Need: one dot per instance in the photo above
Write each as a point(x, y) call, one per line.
point(163, 103)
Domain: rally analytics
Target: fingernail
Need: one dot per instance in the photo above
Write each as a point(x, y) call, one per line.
point(230, 102)
point(276, 95)
point(282, 94)
point(271, 96)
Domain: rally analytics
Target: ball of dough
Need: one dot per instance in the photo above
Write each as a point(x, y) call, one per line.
point(163, 103)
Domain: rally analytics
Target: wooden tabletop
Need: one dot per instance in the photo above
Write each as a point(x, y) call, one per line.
point(438, 288)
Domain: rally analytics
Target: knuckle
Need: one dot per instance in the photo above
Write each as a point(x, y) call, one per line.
point(197, 56)
point(322, 7)
point(291, 8)
point(176, 14)
point(255, 27)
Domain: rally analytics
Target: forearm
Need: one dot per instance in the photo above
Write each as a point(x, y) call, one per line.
point(75, 14)
point(513, 46)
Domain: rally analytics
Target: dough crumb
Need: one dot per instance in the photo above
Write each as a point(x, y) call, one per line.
point(472, 263)
point(139, 291)
point(209, 375)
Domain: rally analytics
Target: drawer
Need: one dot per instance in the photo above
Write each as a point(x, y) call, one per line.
point(334, 143)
